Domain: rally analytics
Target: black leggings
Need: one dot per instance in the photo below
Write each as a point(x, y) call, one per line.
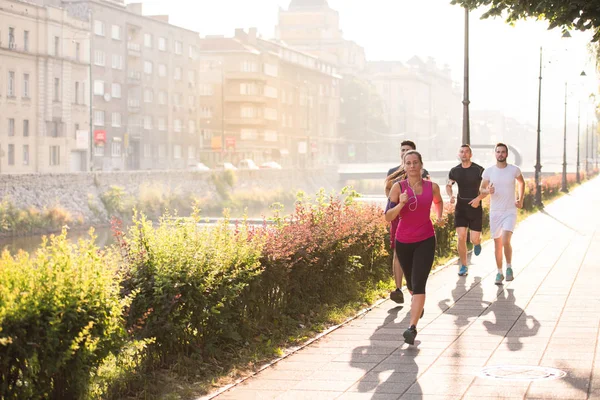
point(416, 260)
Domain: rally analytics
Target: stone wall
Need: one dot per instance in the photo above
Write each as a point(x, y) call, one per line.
point(80, 193)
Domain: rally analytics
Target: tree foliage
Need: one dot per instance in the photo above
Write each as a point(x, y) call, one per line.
point(582, 15)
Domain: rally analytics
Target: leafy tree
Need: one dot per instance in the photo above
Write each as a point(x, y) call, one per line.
point(582, 15)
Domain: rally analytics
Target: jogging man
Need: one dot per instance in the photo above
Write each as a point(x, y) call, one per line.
point(397, 174)
point(468, 213)
point(499, 183)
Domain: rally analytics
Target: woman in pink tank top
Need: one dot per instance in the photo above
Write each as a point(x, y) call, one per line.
point(415, 236)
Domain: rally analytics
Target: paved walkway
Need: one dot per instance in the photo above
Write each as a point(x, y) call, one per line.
point(548, 316)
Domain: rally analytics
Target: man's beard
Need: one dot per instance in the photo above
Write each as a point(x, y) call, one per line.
point(501, 159)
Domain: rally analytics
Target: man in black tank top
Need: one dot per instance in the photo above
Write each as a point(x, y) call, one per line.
point(468, 213)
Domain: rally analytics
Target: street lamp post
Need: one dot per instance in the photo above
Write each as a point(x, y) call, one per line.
point(587, 142)
point(466, 130)
point(564, 187)
point(538, 165)
point(578, 135)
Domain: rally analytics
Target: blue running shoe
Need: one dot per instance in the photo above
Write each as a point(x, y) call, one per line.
point(509, 274)
point(499, 278)
point(477, 249)
point(463, 271)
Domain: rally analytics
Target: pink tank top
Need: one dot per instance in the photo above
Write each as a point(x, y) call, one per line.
point(415, 217)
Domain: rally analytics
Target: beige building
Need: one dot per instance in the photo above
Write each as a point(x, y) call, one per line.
point(280, 104)
point(44, 89)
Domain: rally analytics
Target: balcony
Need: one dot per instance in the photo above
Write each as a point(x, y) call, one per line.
point(135, 131)
point(133, 105)
point(134, 49)
point(246, 121)
point(245, 98)
point(134, 77)
point(246, 76)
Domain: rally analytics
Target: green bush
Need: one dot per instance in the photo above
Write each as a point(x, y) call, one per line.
point(60, 317)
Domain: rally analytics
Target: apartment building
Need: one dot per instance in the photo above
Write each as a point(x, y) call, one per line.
point(44, 96)
point(145, 95)
point(265, 101)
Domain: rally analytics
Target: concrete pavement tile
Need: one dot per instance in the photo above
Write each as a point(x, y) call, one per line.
point(550, 393)
point(389, 376)
point(367, 396)
point(309, 395)
point(501, 390)
point(287, 365)
point(370, 350)
point(360, 357)
point(338, 366)
point(470, 361)
point(275, 385)
point(341, 375)
point(465, 370)
point(236, 394)
point(452, 386)
point(381, 387)
point(272, 373)
point(312, 358)
point(417, 396)
point(321, 385)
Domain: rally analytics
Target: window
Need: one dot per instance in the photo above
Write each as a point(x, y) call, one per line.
point(99, 88)
point(116, 90)
point(56, 46)
point(148, 96)
point(11, 84)
point(191, 101)
point(147, 122)
point(147, 150)
point(26, 40)
point(78, 51)
point(177, 99)
point(162, 97)
point(75, 131)
point(99, 117)
point(178, 47)
point(270, 136)
point(147, 40)
point(11, 38)
point(99, 151)
point(271, 92)
point(162, 151)
point(192, 126)
point(162, 70)
point(11, 154)
point(177, 151)
point(270, 70)
point(249, 66)
point(116, 119)
point(248, 88)
point(205, 89)
point(248, 134)
point(206, 112)
point(56, 89)
point(54, 155)
point(162, 44)
point(25, 128)
point(54, 129)
point(99, 28)
point(99, 58)
point(25, 154)
point(177, 73)
point(271, 114)
point(116, 32)
point(283, 98)
point(191, 153)
point(147, 67)
point(76, 93)
point(248, 112)
point(11, 127)
point(177, 125)
point(26, 85)
point(192, 52)
point(115, 149)
point(162, 125)
point(117, 61)
point(192, 77)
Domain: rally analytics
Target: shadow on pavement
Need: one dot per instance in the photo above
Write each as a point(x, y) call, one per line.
point(519, 329)
point(546, 213)
point(475, 306)
point(404, 369)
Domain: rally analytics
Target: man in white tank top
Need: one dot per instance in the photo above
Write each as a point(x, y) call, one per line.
point(499, 182)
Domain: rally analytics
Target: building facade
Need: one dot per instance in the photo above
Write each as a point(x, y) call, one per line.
point(268, 102)
point(44, 89)
point(145, 96)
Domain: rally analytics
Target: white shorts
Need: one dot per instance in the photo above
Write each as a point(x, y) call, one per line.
point(501, 221)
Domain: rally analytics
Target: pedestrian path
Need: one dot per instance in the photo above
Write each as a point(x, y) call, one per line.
point(476, 340)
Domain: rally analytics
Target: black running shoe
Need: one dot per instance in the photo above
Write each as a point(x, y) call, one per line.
point(410, 334)
point(397, 296)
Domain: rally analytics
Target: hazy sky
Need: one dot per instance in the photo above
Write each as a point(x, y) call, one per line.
point(504, 59)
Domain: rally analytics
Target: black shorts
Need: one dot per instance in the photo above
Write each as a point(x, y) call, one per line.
point(466, 216)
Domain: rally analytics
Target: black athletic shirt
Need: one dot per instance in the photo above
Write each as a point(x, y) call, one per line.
point(468, 181)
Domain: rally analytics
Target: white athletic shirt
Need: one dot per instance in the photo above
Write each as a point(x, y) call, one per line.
point(504, 182)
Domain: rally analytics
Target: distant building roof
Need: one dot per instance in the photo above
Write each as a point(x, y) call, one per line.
point(304, 4)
